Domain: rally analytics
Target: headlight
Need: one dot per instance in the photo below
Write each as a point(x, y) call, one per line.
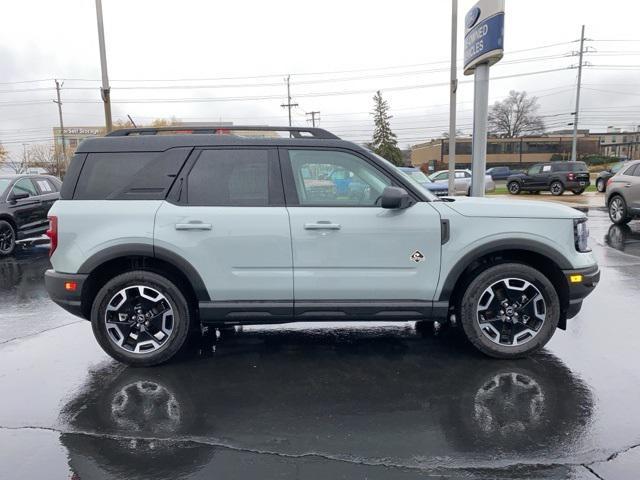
point(581, 234)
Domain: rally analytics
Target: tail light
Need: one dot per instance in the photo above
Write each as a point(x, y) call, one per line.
point(571, 176)
point(52, 233)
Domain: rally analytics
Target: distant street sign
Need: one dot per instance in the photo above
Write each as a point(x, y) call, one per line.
point(484, 34)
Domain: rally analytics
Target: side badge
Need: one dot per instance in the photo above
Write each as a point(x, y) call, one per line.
point(417, 256)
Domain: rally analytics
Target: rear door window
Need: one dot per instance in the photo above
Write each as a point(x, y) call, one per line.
point(230, 177)
point(45, 186)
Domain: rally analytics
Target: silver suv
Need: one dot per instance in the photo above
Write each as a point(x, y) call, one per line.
point(623, 194)
point(158, 235)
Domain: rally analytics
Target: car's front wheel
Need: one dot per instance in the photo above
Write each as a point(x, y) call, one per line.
point(510, 310)
point(514, 188)
point(556, 188)
point(618, 211)
point(140, 318)
point(7, 238)
point(601, 185)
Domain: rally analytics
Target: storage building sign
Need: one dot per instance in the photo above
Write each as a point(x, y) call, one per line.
point(484, 34)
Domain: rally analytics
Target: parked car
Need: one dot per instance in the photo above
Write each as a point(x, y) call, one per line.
point(437, 188)
point(555, 177)
point(499, 173)
point(605, 175)
point(25, 201)
point(462, 181)
point(157, 235)
point(623, 194)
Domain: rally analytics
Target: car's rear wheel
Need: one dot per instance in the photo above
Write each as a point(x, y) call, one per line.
point(579, 191)
point(7, 238)
point(510, 310)
point(140, 318)
point(618, 211)
point(514, 188)
point(601, 185)
point(556, 188)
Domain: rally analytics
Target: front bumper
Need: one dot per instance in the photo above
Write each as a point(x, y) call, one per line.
point(71, 301)
point(581, 283)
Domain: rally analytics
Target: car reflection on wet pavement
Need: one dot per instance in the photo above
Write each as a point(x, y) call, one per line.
point(324, 401)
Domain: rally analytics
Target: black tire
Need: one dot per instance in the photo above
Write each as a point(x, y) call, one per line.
point(601, 185)
point(618, 204)
point(580, 191)
point(476, 289)
point(181, 318)
point(7, 238)
point(556, 188)
point(514, 188)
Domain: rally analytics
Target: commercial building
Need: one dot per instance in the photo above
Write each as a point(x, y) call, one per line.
point(616, 142)
point(503, 151)
point(74, 135)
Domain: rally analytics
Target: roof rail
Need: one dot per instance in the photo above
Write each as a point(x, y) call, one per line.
point(295, 132)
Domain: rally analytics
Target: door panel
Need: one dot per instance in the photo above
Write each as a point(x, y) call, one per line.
point(369, 256)
point(27, 211)
point(241, 253)
point(231, 225)
point(345, 247)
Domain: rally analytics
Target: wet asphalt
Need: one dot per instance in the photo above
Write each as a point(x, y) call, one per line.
point(343, 401)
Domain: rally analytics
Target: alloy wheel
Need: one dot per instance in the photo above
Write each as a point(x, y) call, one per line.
point(514, 187)
point(616, 209)
point(556, 188)
point(7, 239)
point(139, 319)
point(511, 312)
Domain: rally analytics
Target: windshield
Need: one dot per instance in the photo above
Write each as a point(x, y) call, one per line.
point(414, 182)
point(4, 183)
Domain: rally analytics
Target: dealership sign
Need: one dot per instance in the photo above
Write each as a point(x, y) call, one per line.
point(484, 34)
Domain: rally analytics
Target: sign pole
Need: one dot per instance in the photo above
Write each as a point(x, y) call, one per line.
point(483, 47)
point(480, 115)
point(452, 98)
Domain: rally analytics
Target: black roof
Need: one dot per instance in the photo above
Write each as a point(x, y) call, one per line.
point(150, 142)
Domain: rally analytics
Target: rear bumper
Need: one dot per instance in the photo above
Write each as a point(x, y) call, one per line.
point(581, 283)
point(71, 301)
point(576, 184)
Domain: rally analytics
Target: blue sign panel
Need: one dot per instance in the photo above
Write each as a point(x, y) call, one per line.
point(486, 37)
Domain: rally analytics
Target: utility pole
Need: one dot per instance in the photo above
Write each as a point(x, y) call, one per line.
point(574, 144)
point(313, 117)
point(289, 104)
point(105, 90)
point(64, 143)
point(452, 98)
point(25, 162)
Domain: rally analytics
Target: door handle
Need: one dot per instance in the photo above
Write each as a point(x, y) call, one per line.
point(193, 226)
point(322, 225)
point(627, 185)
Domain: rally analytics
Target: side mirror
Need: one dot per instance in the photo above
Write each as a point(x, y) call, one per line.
point(18, 196)
point(395, 198)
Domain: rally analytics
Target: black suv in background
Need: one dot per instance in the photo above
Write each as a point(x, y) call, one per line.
point(555, 177)
point(25, 201)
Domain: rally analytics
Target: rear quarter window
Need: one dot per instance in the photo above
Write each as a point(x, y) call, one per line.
point(105, 173)
point(127, 176)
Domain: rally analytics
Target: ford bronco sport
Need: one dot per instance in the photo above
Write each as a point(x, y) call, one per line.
point(157, 235)
point(555, 177)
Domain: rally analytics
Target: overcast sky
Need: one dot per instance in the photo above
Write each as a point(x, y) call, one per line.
point(225, 54)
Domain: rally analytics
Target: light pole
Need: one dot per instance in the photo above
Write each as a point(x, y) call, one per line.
point(452, 98)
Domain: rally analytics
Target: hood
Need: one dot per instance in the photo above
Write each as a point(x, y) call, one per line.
point(497, 207)
point(516, 175)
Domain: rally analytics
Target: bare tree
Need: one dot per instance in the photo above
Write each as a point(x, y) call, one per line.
point(516, 115)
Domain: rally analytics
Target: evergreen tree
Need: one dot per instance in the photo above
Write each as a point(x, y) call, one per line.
point(384, 141)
